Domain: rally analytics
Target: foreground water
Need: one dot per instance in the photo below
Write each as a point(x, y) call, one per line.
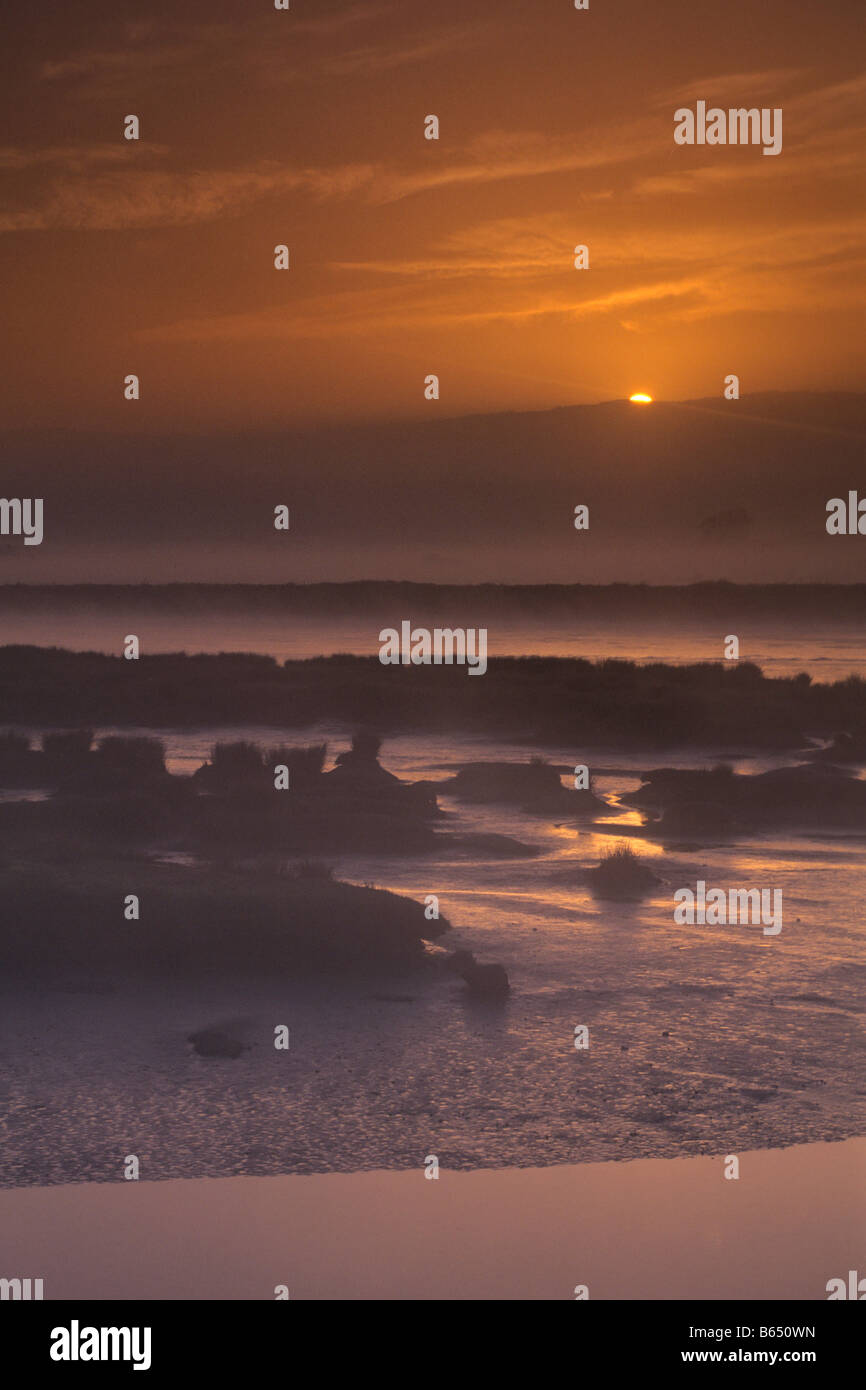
point(791, 1222)
point(702, 1039)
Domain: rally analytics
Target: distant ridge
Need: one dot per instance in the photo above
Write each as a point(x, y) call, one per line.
point(675, 492)
point(791, 601)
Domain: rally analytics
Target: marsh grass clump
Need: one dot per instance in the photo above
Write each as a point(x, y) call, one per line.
point(141, 757)
point(69, 747)
point(482, 981)
point(17, 760)
point(313, 868)
point(232, 768)
point(366, 747)
point(207, 922)
point(621, 874)
point(11, 741)
point(241, 759)
point(304, 764)
point(535, 786)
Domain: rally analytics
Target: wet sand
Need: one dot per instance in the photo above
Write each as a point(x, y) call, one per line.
point(652, 1228)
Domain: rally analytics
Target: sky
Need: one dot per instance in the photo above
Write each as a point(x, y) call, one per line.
point(411, 257)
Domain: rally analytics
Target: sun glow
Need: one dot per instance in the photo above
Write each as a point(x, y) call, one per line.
point(641, 398)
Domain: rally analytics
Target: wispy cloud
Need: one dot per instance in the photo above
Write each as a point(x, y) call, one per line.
point(687, 277)
point(76, 196)
point(395, 52)
point(321, 45)
point(528, 248)
point(72, 158)
point(116, 186)
point(732, 87)
point(503, 155)
point(824, 130)
point(360, 311)
point(85, 198)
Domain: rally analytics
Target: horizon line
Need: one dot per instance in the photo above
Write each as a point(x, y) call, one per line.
point(433, 584)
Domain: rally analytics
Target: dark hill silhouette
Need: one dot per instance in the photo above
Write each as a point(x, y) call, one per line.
point(678, 491)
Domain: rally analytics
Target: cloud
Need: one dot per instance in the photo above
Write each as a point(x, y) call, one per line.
point(321, 45)
point(535, 247)
point(107, 64)
point(364, 311)
point(824, 130)
point(500, 155)
point(731, 88)
point(73, 158)
point(121, 199)
point(100, 188)
point(685, 276)
point(128, 197)
point(401, 52)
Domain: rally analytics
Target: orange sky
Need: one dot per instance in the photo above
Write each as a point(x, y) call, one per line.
point(412, 256)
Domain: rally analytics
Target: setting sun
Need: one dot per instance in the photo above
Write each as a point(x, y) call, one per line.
point(641, 398)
